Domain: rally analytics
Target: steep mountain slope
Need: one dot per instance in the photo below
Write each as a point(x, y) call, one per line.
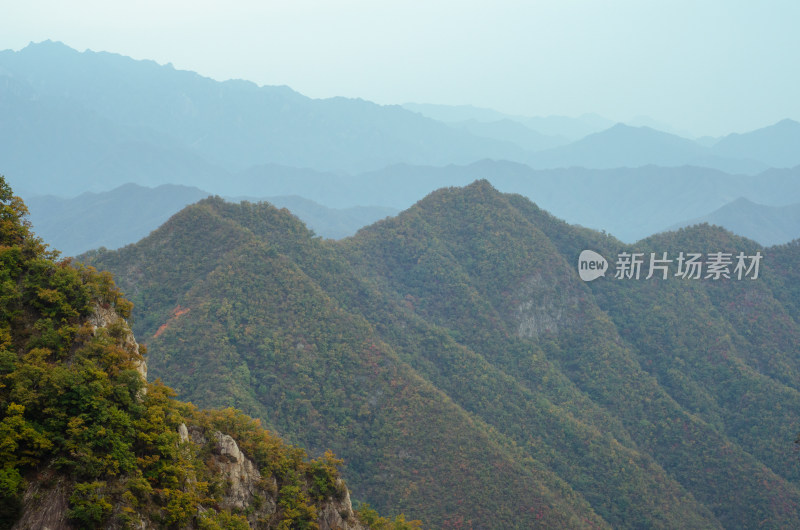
point(488, 245)
point(283, 349)
point(457, 341)
point(86, 442)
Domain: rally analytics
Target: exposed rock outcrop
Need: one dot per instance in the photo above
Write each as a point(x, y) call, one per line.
point(549, 305)
point(248, 491)
point(242, 475)
point(338, 514)
point(45, 504)
point(102, 317)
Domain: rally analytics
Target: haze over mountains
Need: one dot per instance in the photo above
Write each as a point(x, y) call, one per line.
point(127, 214)
point(123, 110)
point(769, 225)
point(73, 122)
point(629, 203)
point(449, 352)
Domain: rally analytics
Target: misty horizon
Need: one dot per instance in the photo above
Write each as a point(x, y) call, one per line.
point(706, 70)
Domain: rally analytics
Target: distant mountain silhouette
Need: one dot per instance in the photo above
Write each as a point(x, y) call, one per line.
point(508, 130)
point(126, 214)
point(330, 223)
point(647, 121)
point(777, 145)
point(625, 146)
point(85, 110)
point(72, 122)
point(60, 146)
point(631, 203)
point(109, 219)
point(274, 179)
point(559, 126)
point(768, 225)
point(456, 113)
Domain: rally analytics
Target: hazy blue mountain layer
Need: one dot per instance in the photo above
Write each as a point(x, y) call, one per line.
point(99, 113)
point(625, 146)
point(777, 145)
point(769, 225)
point(631, 203)
point(554, 126)
point(127, 214)
point(74, 121)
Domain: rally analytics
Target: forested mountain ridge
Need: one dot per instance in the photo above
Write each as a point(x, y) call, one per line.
point(87, 442)
point(457, 342)
point(278, 342)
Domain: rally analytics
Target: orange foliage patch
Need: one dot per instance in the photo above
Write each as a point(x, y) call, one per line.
point(176, 313)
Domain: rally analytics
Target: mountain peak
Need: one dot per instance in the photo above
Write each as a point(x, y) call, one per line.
point(621, 126)
point(775, 144)
point(482, 185)
point(787, 123)
point(635, 129)
point(48, 43)
point(48, 46)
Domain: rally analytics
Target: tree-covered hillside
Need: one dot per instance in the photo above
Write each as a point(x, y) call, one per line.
point(87, 442)
point(467, 376)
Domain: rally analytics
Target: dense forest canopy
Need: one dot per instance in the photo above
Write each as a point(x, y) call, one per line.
point(81, 426)
point(466, 375)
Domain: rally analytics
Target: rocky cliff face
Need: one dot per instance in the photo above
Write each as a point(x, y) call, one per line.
point(103, 317)
point(250, 492)
point(549, 305)
point(45, 503)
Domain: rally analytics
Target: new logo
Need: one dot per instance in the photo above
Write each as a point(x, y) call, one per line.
point(591, 265)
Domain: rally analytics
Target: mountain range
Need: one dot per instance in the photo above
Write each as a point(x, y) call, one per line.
point(72, 122)
point(625, 146)
point(468, 377)
point(620, 201)
point(402, 286)
point(92, 121)
point(92, 112)
point(557, 127)
point(127, 214)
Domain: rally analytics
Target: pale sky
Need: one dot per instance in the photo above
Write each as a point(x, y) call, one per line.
point(706, 66)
